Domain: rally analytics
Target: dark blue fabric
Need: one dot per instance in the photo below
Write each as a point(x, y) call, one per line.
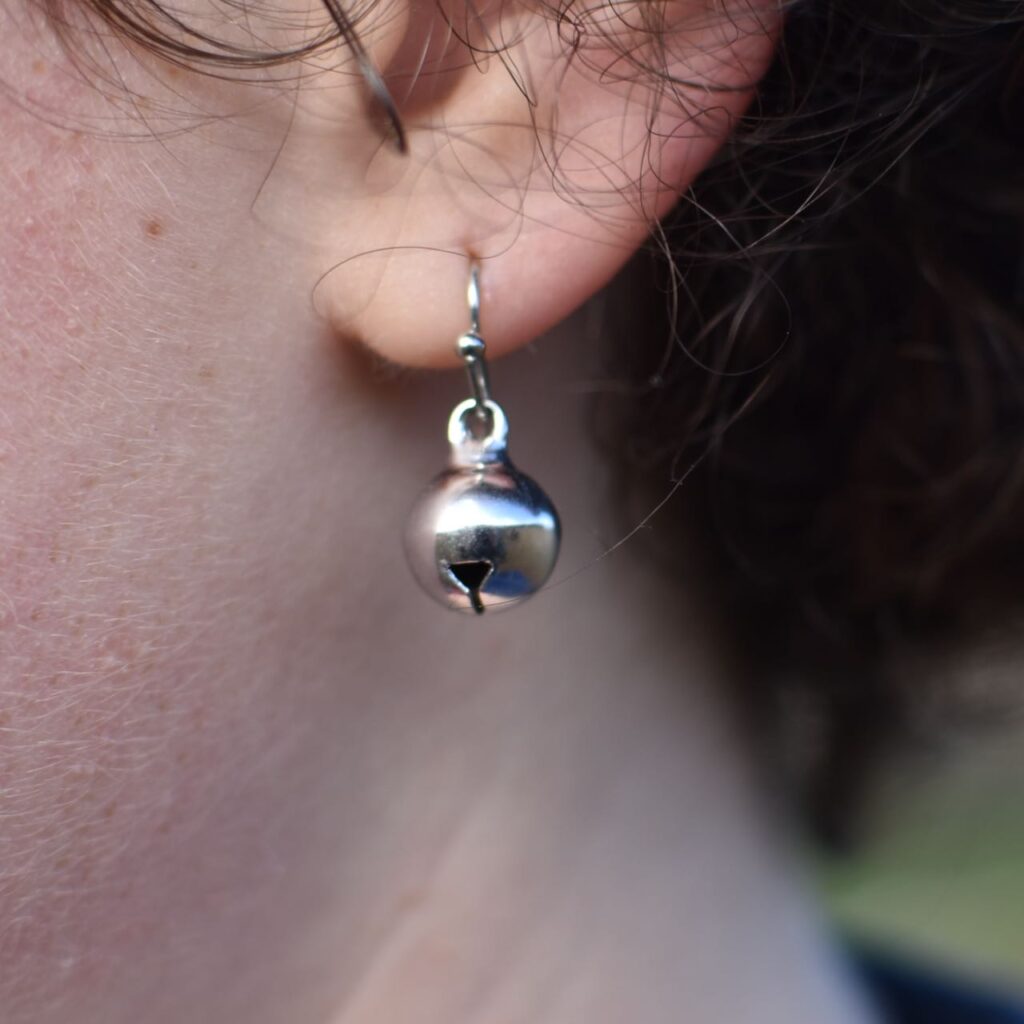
point(908, 994)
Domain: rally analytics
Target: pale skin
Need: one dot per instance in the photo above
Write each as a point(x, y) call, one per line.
point(248, 773)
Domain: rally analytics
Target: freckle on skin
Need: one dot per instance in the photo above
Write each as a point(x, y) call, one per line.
point(154, 227)
point(207, 373)
point(39, 66)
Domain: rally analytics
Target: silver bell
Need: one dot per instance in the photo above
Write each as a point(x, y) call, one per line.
point(482, 535)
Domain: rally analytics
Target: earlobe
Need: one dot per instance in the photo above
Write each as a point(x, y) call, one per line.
point(548, 159)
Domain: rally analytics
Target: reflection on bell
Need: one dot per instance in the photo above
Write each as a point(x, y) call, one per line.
point(482, 536)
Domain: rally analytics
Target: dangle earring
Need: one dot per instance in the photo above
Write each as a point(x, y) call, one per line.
point(482, 536)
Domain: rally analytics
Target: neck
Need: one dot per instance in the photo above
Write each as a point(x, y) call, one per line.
point(573, 833)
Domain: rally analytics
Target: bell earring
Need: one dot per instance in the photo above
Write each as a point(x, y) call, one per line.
point(482, 536)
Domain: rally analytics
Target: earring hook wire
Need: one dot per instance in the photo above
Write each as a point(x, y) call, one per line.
point(471, 345)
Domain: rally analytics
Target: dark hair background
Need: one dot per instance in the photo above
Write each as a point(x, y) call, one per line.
point(834, 315)
point(849, 350)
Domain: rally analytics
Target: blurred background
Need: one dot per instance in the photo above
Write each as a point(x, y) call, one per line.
point(941, 872)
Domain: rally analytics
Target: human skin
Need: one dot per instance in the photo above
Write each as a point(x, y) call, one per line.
point(248, 773)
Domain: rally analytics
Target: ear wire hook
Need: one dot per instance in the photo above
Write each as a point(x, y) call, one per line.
point(471, 346)
point(473, 297)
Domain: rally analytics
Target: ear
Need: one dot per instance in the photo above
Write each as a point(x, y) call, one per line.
point(544, 139)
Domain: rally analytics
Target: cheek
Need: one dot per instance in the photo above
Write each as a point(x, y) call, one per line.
point(176, 598)
point(144, 742)
point(159, 771)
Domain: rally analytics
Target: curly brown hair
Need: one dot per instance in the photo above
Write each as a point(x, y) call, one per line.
point(849, 350)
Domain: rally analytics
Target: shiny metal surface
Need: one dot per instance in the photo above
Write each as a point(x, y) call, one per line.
point(473, 297)
point(471, 348)
point(471, 345)
point(482, 536)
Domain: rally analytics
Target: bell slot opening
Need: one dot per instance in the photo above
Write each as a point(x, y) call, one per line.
point(470, 577)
